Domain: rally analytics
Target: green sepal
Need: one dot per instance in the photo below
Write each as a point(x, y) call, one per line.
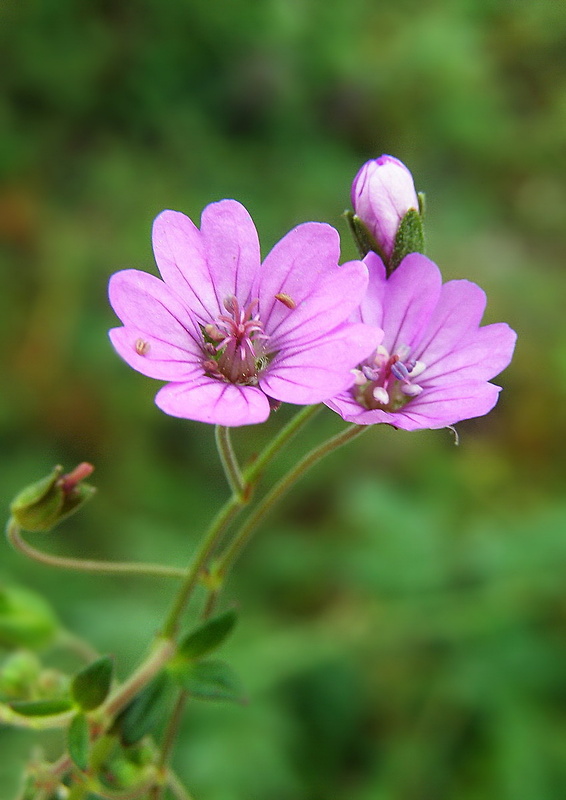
point(146, 711)
point(43, 504)
point(41, 708)
point(409, 239)
point(78, 742)
point(26, 619)
point(208, 636)
point(90, 687)
point(364, 240)
point(208, 680)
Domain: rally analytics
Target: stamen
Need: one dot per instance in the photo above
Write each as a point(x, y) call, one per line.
point(400, 371)
point(142, 347)
point(418, 369)
point(236, 343)
point(359, 377)
point(388, 381)
point(380, 394)
point(411, 389)
point(286, 299)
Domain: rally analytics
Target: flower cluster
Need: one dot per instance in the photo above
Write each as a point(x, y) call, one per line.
point(376, 342)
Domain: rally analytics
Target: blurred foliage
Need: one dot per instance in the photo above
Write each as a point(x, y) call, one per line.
point(403, 625)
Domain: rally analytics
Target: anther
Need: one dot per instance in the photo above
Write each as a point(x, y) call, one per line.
point(380, 394)
point(286, 299)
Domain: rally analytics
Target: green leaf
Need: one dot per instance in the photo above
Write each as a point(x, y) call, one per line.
point(90, 687)
point(146, 710)
point(78, 741)
point(208, 636)
point(209, 680)
point(41, 708)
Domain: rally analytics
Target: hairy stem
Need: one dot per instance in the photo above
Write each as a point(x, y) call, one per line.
point(162, 652)
point(229, 461)
point(158, 790)
point(14, 535)
point(253, 472)
point(244, 534)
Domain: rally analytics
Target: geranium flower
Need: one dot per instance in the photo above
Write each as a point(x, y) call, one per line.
point(434, 363)
point(229, 333)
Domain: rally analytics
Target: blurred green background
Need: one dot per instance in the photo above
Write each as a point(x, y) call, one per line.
point(403, 631)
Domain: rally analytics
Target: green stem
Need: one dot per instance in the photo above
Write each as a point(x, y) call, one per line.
point(162, 652)
point(158, 790)
point(229, 461)
point(226, 515)
point(14, 535)
point(211, 539)
point(244, 534)
point(253, 472)
point(176, 787)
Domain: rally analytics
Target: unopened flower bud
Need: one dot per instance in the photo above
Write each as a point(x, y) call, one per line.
point(26, 619)
point(40, 506)
point(387, 210)
point(18, 675)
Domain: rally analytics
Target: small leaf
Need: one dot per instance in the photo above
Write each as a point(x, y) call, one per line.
point(41, 708)
point(209, 680)
point(78, 741)
point(208, 637)
point(90, 687)
point(145, 711)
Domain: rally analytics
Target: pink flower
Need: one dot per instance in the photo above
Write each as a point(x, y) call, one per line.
point(229, 333)
point(382, 193)
point(434, 363)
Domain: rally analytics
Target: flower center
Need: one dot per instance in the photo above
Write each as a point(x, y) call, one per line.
point(235, 344)
point(387, 381)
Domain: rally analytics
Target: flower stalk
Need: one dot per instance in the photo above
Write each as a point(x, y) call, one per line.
point(14, 536)
point(242, 537)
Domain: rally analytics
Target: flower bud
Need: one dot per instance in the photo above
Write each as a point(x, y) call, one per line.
point(40, 506)
point(26, 620)
point(383, 194)
point(18, 675)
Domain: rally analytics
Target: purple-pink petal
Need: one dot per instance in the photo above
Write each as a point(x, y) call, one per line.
point(447, 404)
point(458, 312)
point(409, 298)
point(312, 373)
point(333, 298)
point(144, 302)
point(294, 267)
point(483, 355)
point(215, 402)
point(181, 258)
point(154, 357)
point(231, 245)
